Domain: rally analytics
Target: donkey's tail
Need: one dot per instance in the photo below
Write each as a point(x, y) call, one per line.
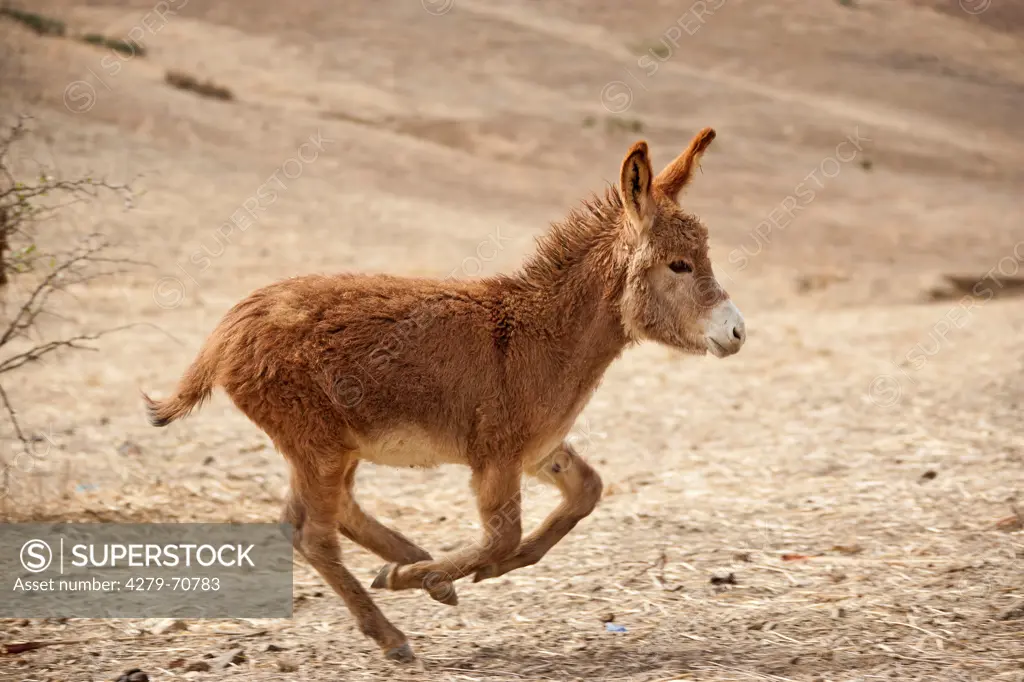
point(194, 388)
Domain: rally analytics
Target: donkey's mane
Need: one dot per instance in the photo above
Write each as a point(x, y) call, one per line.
point(593, 223)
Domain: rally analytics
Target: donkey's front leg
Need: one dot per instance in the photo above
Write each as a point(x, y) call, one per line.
point(499, 502)
point(581, 489)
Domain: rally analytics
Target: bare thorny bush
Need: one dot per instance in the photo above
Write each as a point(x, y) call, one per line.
point(35, 269)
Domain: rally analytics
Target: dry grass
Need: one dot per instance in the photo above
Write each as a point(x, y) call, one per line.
point(128, 48)
point(48, 26)
point(866, 541)
point(43, 25)
point(185, 81)
point(906, 579)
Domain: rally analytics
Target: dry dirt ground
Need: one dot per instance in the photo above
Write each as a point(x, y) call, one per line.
point(855, 468)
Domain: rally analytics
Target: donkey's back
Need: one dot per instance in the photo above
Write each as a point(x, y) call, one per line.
point(375, 364)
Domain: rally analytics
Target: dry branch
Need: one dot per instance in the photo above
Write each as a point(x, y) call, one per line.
point(26, 206)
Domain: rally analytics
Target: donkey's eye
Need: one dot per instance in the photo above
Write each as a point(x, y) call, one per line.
point(680, 266)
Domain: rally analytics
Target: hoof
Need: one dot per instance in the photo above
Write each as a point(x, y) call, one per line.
point(381, 581)
point(401, 654)
point(442, 591)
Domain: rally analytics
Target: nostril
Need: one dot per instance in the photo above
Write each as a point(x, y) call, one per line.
point(737, 333)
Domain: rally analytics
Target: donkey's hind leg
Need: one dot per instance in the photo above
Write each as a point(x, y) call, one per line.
point(313, 510)
point(388, 544)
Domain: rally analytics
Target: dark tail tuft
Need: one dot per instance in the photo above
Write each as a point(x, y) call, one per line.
point(193, 389)
point(158, 413)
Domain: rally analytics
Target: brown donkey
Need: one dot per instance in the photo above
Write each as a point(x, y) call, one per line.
point(489, 373)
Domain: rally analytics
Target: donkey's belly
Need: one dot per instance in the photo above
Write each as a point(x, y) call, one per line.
point(410, 447)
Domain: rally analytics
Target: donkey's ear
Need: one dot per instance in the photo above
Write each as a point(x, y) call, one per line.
point(677, 174)
point(635, 180)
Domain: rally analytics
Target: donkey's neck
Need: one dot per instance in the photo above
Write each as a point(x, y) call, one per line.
point(567, 297)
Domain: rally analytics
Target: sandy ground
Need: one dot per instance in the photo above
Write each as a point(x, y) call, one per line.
point(849, 468)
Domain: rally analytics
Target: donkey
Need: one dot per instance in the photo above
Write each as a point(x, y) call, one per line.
point(489, 373)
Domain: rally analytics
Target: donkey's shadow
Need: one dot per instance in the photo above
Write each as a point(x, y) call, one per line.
point(599, 660)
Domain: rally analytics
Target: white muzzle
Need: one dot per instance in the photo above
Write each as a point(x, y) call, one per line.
point(725, 332)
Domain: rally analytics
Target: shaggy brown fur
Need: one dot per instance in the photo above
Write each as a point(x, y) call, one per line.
point(490, 373)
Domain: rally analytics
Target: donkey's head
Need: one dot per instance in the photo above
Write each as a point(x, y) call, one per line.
point(671, 293)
